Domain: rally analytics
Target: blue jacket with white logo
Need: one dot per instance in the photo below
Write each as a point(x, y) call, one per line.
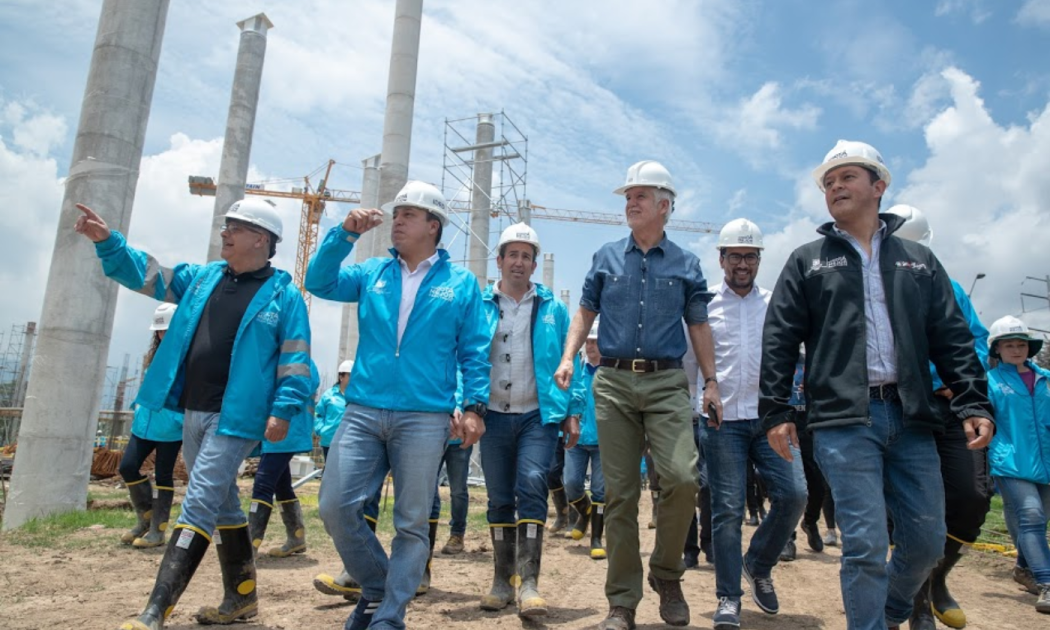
point(329, 414)
point(550, 326)
point(1021, 445)
point(446, 328)
point(589, 420)
point(300, 438)
point(158, 426)
point(980, 333)
point(270, 365)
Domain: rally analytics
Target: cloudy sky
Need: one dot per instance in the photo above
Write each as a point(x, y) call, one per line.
point(740, 99)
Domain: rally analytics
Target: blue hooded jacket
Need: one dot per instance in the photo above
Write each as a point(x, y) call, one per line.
point(1020, 447)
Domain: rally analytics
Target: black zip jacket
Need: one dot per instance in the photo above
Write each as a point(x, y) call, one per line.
point(819, 301)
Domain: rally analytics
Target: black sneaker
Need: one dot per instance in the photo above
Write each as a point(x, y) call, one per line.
point(789, 552)
point(762, 590)
point(691, 561)
point(813, 538)
point(727, 615)
point(361, 618)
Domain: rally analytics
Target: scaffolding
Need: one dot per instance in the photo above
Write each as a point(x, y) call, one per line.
point(462, 154)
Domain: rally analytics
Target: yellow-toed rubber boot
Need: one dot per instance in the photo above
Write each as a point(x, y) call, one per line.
point(530, 551)
point(942, 603)
point(504, 544)
point(258, 519)
point(158, 522)
point(237, 560)
point(142, 501)
point(424, 584)
point(181, 559)
point(597, 528)
point(582, 507)
point(295, 529)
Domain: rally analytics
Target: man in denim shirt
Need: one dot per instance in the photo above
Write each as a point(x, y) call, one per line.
point(644, 285)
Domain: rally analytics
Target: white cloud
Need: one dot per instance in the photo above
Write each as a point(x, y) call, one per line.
point(755, 126)
point(1034, 13)
point(976, 10)
point(32, 129)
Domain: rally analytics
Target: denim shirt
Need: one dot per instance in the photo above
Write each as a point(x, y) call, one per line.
point(643, 298)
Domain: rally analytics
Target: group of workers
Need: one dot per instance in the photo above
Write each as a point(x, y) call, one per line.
point(894, 399)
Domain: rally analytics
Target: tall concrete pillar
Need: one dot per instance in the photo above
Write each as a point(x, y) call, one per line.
point(400, 104)
point(481, 200)
point(548, 271)
point(240, 124)
point(565, 298)
point(525, 211)
point(348, 330)
point(53, 461)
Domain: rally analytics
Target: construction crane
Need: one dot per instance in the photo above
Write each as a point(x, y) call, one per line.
point(314, 202)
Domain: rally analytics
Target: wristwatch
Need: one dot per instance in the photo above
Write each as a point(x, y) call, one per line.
point(710, 379)
point(481, 409)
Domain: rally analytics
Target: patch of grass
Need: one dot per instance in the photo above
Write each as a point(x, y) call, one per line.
point(61, 531)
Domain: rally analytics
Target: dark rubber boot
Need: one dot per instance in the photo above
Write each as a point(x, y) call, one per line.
point(561, 511)
point(240, 600)
point(944, 605)
point(424, 584)
point(504, 552)
point(181, 559)
point(295, 530)
point(158, 522)
point(530, 552)
point(142, 501)
point(582, 507)
point(597, 528)
point(258, 519)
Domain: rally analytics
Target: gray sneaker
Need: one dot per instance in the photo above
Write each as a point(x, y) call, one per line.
point(831, 538)
point(727, 615)
point(1043, 603)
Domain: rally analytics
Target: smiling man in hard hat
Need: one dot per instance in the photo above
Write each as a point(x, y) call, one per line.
point(644, 286)
point(527, 326)
point(420, 316)
point(967, 496)
point(737, 314)
point(237, 360)
point(873, 310)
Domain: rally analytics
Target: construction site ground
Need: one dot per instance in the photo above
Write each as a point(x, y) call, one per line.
point(72, 572)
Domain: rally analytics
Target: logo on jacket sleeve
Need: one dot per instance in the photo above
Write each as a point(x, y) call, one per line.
point(270, 318)
point(447, 294)
point(828, 263)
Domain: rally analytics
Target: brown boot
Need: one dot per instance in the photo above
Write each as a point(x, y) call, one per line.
point(619, 618)
point(673, 608)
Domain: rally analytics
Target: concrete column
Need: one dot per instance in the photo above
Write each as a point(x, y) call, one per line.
point(53, 461)
point(548, 271)
point(240, 124)
point(565, 298)
point(348, 331)
point(525, 211)
point(400, 104)
point(481, 200)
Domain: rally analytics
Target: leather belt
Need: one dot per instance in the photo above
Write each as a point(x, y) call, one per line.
point(884, 392)
point(641, 366)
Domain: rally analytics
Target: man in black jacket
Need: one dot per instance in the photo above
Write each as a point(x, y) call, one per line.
point(872, 310)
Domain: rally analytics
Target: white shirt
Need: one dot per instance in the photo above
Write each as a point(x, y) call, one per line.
point(410, 283)
point(513, 377)
point(736, 325)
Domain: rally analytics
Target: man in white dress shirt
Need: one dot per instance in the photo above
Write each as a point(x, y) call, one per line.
point(737, 313)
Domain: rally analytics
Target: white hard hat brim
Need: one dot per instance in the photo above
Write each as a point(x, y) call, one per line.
point(871, 165)
point(236, 216)
point(622, 190)
point(521, 240)
point(389, 207)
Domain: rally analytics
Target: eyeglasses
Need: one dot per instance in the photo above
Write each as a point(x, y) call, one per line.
point(735, 259)
point(234, 228)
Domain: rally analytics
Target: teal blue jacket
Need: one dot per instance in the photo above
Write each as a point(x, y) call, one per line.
point(550, 326)
point(980, 333)
point(329, 414)
point(270, 365)
point(446, 329)
point(300, 438)
point(589, 420)
point(158, 426)
point(1021, 445)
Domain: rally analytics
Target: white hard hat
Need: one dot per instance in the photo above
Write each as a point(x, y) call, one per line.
point(346, 367)
point(519, 233)
point(647, 173)
point(740, 233)
point(420, 195)
point(593, 334)
point(916, 227)
point(162, 316)
point(848, 152)
point(1010, 327)
point(260, 212)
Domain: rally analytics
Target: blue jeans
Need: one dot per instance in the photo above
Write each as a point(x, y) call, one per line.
point(871, 467)
point(576, 460)
point(369, 443)
point(516, 453)
point(1029, 504)
point(457, 465)
point(274, 478)
point(211, 495)
point(727, 450)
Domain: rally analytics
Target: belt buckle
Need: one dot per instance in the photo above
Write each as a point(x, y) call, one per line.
point(634, 366)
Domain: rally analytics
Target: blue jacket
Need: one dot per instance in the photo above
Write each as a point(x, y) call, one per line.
point(980, 333)
point(300, 438)
point(589, 420)
point(329, 414)
point(446, 328)
point(159, 426)
point(1021, 445)
point(270, 365)
point(550, 326)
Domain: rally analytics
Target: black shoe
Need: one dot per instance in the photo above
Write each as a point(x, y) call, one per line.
point(789, 552)
point(361, 618)
point(813, 539)
point(762, 590)
point(752, 520)
point(691, 561)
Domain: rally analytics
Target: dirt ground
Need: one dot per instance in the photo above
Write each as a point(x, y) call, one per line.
point(103, 584)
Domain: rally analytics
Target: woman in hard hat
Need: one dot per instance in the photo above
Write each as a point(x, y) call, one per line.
point(1019, 454)
point(159, 431)
point(331, 407)
point(274, 478)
